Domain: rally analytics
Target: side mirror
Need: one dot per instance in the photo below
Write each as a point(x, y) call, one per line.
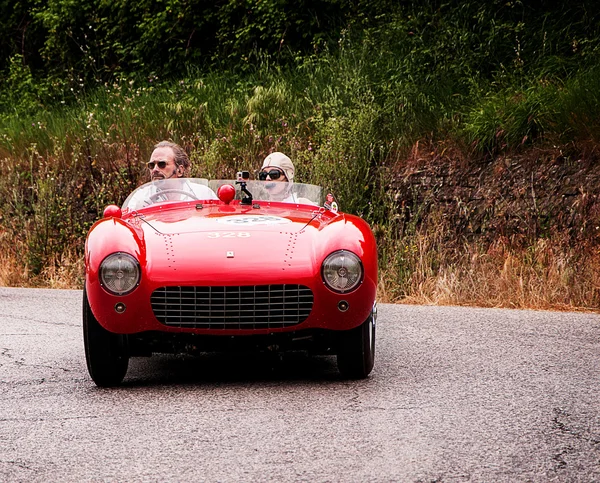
point(112, 211)
point(226, 193)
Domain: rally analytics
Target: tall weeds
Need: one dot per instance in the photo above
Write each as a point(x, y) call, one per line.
point(430, 267)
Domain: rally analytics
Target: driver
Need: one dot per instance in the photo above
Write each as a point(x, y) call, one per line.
point(168, 168)
point(168, 160)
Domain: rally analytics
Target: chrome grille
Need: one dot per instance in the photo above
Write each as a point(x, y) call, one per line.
point(237, 307)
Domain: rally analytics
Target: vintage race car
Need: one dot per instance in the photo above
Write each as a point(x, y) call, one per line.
point(190, 266)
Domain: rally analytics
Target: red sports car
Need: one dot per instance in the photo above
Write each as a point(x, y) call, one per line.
point(190, 265)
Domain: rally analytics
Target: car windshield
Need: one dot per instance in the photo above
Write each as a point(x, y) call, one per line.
point(187, 189)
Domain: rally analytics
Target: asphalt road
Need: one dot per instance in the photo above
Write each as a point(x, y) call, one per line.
point(457, 394)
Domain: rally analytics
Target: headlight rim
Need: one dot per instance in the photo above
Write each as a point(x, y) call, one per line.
point(356, 285)
point(101, 278)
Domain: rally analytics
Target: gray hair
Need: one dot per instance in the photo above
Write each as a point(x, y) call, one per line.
point(181, 157)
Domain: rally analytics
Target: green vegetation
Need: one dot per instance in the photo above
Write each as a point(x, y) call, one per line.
point(346, 88)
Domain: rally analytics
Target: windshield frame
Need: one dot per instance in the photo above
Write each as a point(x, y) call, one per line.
point(202, 189)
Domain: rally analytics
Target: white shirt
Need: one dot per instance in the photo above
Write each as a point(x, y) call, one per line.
point(171, 189)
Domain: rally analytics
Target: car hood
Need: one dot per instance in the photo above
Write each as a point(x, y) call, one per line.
point(240, 246)
point(215, 220)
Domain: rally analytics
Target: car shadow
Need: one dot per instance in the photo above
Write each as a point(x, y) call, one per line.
point(218, 368)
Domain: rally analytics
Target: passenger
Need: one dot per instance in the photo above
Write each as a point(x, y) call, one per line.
point(279, 170)
point(277, 167)
point(169, 162)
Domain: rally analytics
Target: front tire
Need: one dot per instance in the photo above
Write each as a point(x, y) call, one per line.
point(356, 351)
point(105, 353)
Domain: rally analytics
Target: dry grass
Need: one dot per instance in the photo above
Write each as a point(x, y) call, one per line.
point(12, 274)
point(63, 271)
point(544, 276)
point(14, 271)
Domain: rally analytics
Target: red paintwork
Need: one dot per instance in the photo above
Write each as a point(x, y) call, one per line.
point(182, 244)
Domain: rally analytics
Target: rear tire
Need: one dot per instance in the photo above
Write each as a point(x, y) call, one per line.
point(356, 351)
point(105, 353)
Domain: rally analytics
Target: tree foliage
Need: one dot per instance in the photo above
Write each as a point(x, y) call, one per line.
point(94, 39)
point(104, 37)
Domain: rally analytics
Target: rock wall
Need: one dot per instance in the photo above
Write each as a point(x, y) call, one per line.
point(521, 197)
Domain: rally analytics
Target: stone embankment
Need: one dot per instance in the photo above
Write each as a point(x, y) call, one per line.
point(542, 193)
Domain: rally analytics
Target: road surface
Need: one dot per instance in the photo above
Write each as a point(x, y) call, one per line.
point(457, 394)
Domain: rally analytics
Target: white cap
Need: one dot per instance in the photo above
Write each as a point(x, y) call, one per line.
point(281, 161)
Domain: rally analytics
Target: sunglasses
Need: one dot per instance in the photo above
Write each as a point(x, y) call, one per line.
point(160, 164)
point(273, 174)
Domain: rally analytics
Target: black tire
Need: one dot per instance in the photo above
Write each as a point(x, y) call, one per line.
point(105, 353)
point(356, 350)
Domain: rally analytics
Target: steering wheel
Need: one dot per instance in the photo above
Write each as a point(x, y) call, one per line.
point(155, 196)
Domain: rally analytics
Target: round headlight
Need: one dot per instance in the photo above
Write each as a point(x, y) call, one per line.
point(119, 273)
point(342, 271)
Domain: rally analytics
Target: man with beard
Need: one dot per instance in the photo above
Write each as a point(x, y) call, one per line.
point(168, 160)
point(169, 167)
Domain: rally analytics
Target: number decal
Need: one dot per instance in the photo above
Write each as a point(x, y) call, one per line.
point(228, 234)
point(250, 220)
